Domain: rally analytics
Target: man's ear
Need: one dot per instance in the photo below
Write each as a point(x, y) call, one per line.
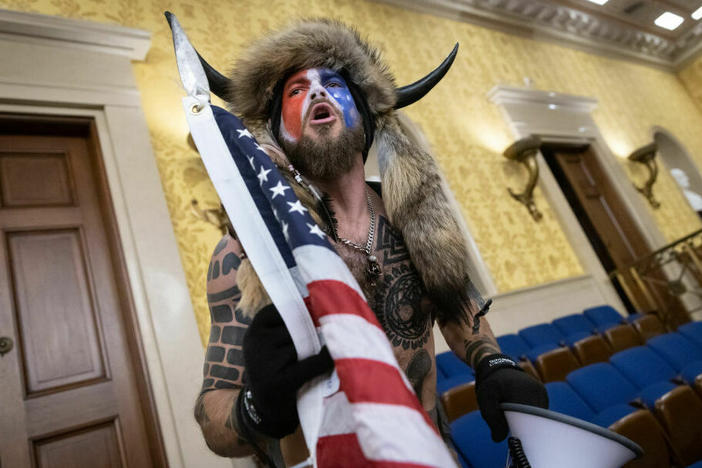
point(276, 108)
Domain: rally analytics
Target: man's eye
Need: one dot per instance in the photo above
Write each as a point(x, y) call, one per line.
point(334, 84)
point(295, 92)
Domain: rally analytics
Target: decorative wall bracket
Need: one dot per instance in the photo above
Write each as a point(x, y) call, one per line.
point(646, 155)
point(215, 216)
point(524, 151)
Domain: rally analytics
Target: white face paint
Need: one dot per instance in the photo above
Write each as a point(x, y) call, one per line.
point(316, 96)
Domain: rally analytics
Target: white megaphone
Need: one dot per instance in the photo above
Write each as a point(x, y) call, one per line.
point(546, 439)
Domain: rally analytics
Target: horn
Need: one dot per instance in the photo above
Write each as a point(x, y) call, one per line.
point(412, 93)
point(219, 84)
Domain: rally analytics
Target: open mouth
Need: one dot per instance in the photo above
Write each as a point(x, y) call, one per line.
point(321, 113)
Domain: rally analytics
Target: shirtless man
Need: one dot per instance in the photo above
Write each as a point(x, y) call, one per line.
point(323, 131)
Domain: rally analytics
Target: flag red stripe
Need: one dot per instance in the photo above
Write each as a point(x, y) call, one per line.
point(328, 297)
point(344, 451)
point(367, 381)
point(340, 450)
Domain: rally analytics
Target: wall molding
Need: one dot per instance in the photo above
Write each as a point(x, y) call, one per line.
point(56, 31)
point(545, 20)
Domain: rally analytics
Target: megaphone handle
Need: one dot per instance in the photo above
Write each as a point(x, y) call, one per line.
point(519, 459)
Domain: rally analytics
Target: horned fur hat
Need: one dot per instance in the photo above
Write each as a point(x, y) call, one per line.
point(415, 194)
point(310, 44)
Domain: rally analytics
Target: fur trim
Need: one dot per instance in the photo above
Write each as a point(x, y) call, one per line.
point(253, 295)
point(419, 204)
point(310, 43)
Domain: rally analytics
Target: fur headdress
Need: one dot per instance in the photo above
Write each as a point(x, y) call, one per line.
point(320, 43)
point(414, 191)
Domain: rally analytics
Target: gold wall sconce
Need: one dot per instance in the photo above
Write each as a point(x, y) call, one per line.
point(646, 155)
point(215, 216)
point(524, 151)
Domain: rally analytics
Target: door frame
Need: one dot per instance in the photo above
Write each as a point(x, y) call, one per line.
point(61, 67)
point(566, 119)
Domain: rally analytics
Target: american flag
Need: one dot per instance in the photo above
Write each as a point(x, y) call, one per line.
point(373, 418)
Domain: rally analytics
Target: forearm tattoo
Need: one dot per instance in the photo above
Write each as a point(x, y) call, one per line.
point(477, 348)
point(478, 340)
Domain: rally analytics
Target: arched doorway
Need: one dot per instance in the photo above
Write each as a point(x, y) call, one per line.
point(681, 166)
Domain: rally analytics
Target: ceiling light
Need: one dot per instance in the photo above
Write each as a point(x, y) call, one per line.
point(599, 2)
point(669, 20)
point(697, 14)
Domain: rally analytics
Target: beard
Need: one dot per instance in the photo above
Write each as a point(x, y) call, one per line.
point(326, 157)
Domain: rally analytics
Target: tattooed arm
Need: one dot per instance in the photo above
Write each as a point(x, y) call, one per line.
point(498, 379)
point(224, 362)
point(471, 347)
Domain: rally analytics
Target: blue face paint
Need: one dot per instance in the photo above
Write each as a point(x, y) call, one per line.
point(305, 86)
point(337, 88)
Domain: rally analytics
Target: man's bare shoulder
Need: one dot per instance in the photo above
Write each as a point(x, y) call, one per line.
point(224, 362)
point(225, 260)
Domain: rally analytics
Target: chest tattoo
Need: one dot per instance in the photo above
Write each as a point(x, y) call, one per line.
point(399, 300)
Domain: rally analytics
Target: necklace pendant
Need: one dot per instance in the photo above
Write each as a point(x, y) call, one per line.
point(373, 270)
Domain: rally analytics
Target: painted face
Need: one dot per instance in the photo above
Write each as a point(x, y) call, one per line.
point(316, 97)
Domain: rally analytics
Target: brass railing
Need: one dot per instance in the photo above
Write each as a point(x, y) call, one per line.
point(667, 282)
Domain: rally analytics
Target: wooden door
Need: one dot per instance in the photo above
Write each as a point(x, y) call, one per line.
point(603, 207)
point(614, 235)
point(69, 389)
point(612, 232)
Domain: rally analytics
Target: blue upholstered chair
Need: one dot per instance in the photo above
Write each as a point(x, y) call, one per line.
point(647, 370)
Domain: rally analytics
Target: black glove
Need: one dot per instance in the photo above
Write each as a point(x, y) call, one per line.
point(498, 379)
point(267, 403)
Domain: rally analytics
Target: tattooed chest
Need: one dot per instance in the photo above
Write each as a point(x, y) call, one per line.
point(399, 299)
point(402, 307)
point(400, 302)
point(396, 295)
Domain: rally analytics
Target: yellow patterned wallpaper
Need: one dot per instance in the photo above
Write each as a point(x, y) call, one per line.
point(691, 76)
point(468, 132)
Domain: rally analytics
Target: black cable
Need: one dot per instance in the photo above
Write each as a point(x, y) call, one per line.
point(519, 459)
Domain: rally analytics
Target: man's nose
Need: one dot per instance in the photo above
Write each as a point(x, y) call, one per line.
point(318, 91)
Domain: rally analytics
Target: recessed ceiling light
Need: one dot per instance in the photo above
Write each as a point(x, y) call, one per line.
point(697, 14)
point(669, 20)
point(599, 2)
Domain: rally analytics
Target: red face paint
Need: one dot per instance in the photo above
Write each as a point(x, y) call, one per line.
point(306, 88)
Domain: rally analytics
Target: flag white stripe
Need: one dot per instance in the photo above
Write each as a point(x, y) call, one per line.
point(354, 337)
point(337, 417)
point(388, 432)
point(319, 263)
point(400, 434)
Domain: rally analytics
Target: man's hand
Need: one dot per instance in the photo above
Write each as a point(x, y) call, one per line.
point(498, 379)
point(274, 375)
